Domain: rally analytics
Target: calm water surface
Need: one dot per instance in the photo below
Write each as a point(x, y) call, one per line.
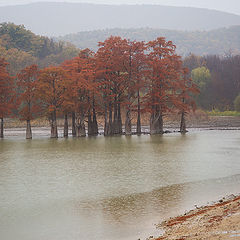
point(110, 188)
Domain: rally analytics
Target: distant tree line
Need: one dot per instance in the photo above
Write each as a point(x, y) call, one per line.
point(122, 77)
point(21, 47)
point(218, 79)
point(217, 41)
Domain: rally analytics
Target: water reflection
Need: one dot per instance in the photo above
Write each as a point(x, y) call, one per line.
point(110, 188)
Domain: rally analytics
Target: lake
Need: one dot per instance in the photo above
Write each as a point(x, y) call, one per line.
point(110, 188)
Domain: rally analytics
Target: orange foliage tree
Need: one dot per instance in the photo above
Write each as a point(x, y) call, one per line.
point(29, 107)
point(134, 64)
point(122, 75)
point(6, 93)
point(81, 71)
point(50, 87)
point(164, 72)
point(112, 79)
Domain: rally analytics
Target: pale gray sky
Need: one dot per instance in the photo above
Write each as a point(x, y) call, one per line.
point(232, 6)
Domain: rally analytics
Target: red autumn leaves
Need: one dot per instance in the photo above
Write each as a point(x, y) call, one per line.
point(122, 77)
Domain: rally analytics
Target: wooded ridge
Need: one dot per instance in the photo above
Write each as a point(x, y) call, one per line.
point(219, 41)
point(55, 19)
point(21, 47)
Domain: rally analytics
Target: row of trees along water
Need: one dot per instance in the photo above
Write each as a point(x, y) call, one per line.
point(123, 76)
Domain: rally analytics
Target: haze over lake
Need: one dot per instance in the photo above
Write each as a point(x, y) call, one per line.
point(110, 188)
point(118, 116)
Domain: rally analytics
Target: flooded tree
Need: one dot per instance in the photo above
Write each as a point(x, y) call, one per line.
point(110, 63)
point(51, 86)
point(187, 90)
point(162, 64)
point(81, 92)
point(134, 63)
point(28, 103)
point(6, 94)
point(122, 77)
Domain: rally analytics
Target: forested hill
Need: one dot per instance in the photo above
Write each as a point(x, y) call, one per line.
point(219, 41)
point(21, 47)
point(54, 19)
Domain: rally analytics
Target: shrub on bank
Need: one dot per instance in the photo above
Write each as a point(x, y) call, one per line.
point(237, 103)
point(224, 113)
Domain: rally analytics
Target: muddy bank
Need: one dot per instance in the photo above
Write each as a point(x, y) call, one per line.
point(170, 126)
point(220, 220)
point(173, 121)
point(208, 122)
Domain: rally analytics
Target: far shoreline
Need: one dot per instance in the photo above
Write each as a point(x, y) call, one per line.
point(45, 131)
point(171, 125)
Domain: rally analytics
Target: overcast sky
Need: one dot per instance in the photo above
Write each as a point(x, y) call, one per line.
point(232, 6)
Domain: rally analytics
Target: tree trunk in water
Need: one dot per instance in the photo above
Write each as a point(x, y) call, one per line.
point(105, 121)
point(81, 131)
point(90, 124)
point(183, 123)
point(95, 124)
point(152, 124)
point(28, 130)
point(115, 127)
point(74, 124)
point(128, 125)
point(156, 124)
point(119, 119)
point(81, 126)
point(54, 132)
point(1, 131)
point(139, 130)
point(110, 123)
point(92, 127)
point(65, 132)
point(160, 122)
point(138, 116)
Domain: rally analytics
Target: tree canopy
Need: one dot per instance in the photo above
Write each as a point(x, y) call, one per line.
point(21, 47)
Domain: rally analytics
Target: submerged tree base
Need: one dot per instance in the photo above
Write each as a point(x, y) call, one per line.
point(28, 130)
point(1, 130)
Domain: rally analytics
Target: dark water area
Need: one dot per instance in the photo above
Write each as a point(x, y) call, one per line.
point(110, 187)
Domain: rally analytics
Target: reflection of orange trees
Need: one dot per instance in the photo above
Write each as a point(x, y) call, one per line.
point(123, 80)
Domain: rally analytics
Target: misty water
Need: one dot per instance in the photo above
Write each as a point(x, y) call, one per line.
point(111, 187)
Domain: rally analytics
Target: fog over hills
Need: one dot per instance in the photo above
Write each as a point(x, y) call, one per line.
point(218, 41)
point(54, 19)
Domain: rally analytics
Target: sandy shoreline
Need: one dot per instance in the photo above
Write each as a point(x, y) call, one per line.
point(220, 220)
